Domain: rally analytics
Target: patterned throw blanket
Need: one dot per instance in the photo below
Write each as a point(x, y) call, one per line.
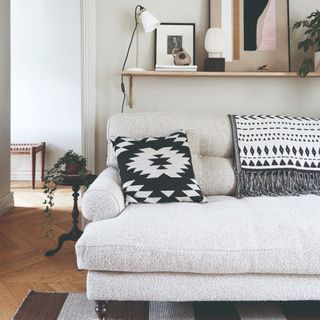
point(276, 155)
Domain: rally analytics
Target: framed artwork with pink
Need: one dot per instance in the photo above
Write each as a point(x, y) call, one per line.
point(256, 33)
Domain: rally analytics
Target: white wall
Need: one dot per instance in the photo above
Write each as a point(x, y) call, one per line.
point(115, 22)
point(46, 78)
point(6, 198)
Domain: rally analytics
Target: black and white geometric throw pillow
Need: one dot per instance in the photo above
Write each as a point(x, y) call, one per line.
point(157, 170)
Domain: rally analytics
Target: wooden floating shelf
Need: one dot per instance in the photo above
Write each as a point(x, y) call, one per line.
point(201, 74)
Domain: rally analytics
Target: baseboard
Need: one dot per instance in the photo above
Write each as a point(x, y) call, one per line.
point(6, 203)
point(24, 175)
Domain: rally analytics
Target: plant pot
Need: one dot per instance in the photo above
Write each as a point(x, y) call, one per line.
point(317, 61)
point(73, 168)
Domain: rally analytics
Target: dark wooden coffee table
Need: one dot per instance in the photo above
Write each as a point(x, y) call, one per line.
point(76, 182)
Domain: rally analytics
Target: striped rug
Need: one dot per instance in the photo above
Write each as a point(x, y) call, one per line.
point(64, 306)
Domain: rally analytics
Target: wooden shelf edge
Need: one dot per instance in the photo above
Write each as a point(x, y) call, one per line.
point(216, 74)
point(165, 74)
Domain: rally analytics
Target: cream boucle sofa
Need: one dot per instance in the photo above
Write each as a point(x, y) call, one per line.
point(226, 250)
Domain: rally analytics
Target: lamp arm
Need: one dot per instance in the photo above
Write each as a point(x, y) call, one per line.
point(138, 10)
point(137, 13)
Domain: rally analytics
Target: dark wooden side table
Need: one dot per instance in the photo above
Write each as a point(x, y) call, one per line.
point(76, 183)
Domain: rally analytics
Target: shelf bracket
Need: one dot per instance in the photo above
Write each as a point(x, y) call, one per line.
point(130, 100)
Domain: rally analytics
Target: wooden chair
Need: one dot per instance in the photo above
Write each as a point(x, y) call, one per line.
point(31, 149)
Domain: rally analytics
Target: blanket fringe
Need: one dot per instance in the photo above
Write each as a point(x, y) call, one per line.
point(277, 183)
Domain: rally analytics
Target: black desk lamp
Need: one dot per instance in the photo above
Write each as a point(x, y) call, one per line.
point(149, 23)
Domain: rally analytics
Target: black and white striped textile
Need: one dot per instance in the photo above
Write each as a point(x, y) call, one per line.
point(64, 306)
point(276, 155)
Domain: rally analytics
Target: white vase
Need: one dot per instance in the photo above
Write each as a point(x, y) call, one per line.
point(317, 61)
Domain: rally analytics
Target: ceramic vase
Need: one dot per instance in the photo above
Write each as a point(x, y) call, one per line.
point(181, 57)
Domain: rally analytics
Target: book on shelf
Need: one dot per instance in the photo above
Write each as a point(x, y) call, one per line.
point(191, 68)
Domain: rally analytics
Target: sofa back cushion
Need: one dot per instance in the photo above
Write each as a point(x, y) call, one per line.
point(210, 140)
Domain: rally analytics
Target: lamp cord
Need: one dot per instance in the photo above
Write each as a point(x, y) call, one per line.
point(123, 87)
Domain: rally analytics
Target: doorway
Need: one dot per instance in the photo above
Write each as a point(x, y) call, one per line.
point(46, 83)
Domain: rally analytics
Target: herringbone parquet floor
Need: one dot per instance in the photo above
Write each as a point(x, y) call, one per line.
point(22, 246)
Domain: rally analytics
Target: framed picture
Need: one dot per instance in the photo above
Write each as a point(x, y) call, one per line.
point(256, 33)
point(170, 36)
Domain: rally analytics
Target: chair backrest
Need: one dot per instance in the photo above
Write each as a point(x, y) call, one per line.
point(210, 140)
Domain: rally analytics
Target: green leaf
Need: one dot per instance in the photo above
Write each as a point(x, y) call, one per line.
point(306, 67)
point(297, 25)
point(306, 44)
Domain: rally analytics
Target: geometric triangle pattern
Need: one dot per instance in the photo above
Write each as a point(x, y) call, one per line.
point(157, 170)
point(276, 155)
point(278, 142)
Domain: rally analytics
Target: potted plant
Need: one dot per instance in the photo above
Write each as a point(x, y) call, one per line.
point(311, 44)
point(70, 163)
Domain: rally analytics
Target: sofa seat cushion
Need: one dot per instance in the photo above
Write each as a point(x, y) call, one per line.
point(225, 236)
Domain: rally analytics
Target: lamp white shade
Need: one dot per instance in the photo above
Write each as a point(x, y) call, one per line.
point(149, 21)
point(214, 42)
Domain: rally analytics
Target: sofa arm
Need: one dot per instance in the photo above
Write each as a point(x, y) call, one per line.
point(104, 199)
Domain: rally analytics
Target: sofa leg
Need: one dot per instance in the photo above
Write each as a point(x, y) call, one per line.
point(101, 309)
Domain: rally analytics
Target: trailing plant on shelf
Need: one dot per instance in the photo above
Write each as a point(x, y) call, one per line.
point(71, 163)
point(311, 44)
